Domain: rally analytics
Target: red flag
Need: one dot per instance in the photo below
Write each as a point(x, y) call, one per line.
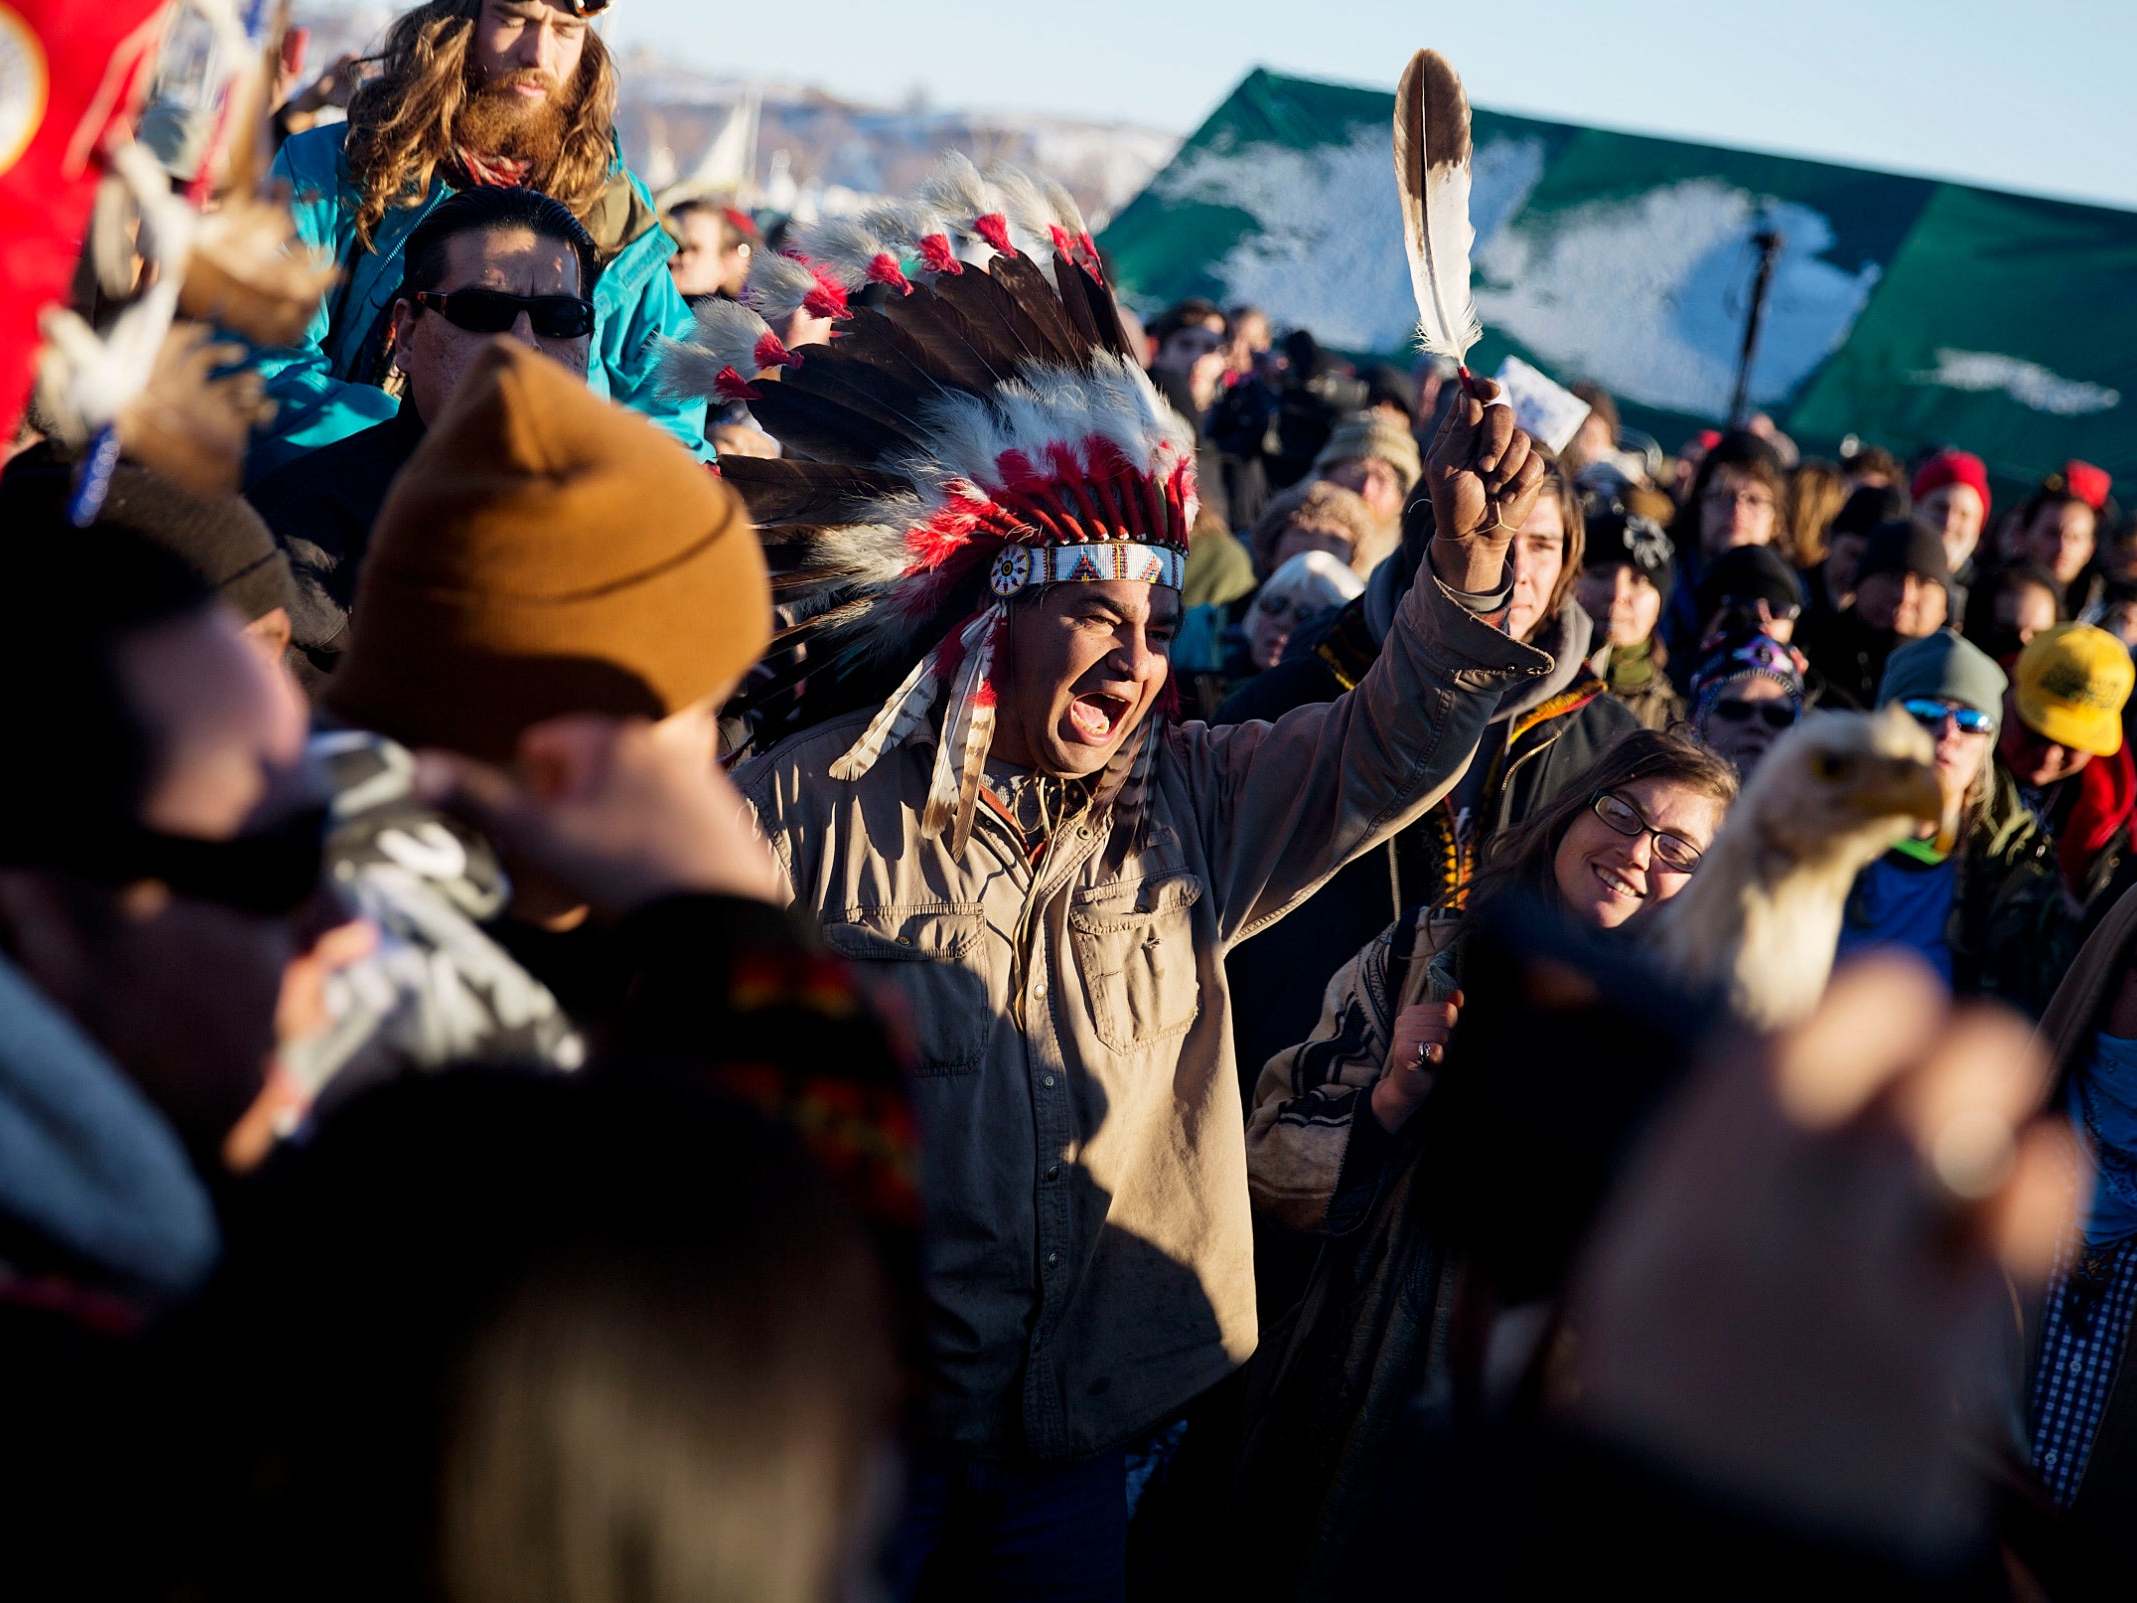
point(69, 70)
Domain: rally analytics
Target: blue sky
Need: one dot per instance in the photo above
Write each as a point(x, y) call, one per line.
point(2039, 96)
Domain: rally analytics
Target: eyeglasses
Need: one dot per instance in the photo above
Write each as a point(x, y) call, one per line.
point(492, 311)
point(1931, 714)
point(1751, 498)
point(1673, 852)
point(1780, 714)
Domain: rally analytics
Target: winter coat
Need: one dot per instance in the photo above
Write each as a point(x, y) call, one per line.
point(321, 508)
point(2091, 816)
point(101, 1210)
point(1847, 658)
point(105, 1226)
point(1540, 737)
point(2097, 1524)
point(326, 385)
point(1085, 1172)
point(2011, 930)
point(1362, 1363)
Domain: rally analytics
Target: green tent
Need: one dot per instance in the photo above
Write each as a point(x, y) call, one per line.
point(1909, 311)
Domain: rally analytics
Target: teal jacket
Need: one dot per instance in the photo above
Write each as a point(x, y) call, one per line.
point(320, 394)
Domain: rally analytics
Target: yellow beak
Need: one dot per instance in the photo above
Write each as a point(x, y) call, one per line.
point(1901, 788)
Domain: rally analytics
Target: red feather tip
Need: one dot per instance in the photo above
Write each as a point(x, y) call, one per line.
point(937, 254)
point(884, 269)
point(828, 299)
point(771, 351)
point(734, 387)
point(994, 229)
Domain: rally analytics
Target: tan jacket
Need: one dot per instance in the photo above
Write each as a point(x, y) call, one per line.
point(1084, 1148)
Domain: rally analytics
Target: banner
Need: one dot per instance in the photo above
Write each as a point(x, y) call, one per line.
point(1912, 312)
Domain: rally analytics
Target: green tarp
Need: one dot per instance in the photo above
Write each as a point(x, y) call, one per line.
point(1906, 310)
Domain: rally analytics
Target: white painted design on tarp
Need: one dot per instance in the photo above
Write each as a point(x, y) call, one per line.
point(1325, 251)
point(1647, 294)
point(2027, 383)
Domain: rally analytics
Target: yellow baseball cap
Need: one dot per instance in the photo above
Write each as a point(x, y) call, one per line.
point(2072, 683)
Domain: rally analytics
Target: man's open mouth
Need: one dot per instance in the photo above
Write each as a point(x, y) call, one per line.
point(1095, 717)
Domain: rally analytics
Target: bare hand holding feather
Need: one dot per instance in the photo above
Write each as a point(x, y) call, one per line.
point(1483, 477)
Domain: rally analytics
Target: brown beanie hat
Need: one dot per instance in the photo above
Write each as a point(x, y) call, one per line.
point(1364, 435)
point(1319, 507)
point(545, 552)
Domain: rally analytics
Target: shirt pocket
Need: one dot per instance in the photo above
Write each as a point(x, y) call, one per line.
point(1135, 946)
point(936, 959)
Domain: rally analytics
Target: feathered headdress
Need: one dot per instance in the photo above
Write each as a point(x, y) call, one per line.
point(986, 432)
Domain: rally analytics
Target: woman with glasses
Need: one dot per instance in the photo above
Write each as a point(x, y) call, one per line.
point(1331, 1144)
point(1975, 897)
point(1746, 695)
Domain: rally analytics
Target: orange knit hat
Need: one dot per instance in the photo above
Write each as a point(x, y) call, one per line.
point(545, 552)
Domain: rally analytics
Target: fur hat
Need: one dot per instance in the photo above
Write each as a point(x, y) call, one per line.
point(1319, 507)
point(1373, 436)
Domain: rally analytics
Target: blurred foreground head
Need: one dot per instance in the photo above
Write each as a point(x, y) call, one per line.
point(159, 853)
point(580, 1339)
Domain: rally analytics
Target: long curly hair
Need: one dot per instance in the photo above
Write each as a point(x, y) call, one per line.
point(402, 122)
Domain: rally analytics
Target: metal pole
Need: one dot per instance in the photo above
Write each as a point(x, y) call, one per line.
point(1768, 241)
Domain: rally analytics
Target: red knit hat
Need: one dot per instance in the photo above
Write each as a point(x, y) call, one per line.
point(1953, 467)
point(2088, 483)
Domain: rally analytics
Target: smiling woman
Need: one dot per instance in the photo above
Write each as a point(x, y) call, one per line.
point(1618, 841)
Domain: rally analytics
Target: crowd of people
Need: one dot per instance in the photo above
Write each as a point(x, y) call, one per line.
point(788, 912)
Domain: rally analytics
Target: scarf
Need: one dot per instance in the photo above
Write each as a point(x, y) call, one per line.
point(2103, 1106)
point(493, 172)
point(1631, 669)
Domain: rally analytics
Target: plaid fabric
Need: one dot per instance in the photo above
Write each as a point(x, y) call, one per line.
point(2084, 1330)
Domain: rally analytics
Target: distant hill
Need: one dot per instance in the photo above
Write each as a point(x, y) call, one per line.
point(814, 150)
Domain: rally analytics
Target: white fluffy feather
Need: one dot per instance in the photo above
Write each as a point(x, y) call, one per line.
point(1026, 208)
point(777, 287)
point(688, 371)
point(957, 190)
point(848, 248)
point(902, 224)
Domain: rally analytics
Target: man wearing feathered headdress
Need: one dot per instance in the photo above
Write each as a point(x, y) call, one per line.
point(518, 93)
point(985, 510)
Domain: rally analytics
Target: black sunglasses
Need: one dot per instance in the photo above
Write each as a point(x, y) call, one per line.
point(271, 871)
point(492, 311)
point(1774, 714)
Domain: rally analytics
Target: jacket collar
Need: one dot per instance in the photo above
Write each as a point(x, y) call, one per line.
point(1565, 639)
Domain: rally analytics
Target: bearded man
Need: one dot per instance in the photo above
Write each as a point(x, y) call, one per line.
point(1025, 848)
point(517, 93)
